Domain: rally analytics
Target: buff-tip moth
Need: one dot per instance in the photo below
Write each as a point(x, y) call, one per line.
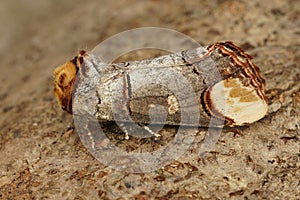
point(238, 97)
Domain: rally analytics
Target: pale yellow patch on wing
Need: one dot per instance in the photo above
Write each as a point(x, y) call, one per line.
point(238, 102)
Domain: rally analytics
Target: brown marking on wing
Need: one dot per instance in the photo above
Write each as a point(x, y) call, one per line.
point(229, 83)
point(250, 97)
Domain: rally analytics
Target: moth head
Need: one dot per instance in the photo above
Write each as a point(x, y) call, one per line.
point(65, 76)
point(64, 80)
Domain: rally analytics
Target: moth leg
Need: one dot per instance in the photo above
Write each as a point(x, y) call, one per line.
point(146, 128)
point(156, 135)
point(126, 135)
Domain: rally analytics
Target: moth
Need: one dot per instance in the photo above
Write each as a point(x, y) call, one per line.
point(218, 81)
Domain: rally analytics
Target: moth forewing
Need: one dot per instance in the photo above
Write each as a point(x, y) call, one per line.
point(133, 92)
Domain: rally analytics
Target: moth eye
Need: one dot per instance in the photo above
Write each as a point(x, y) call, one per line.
point(62, 79)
